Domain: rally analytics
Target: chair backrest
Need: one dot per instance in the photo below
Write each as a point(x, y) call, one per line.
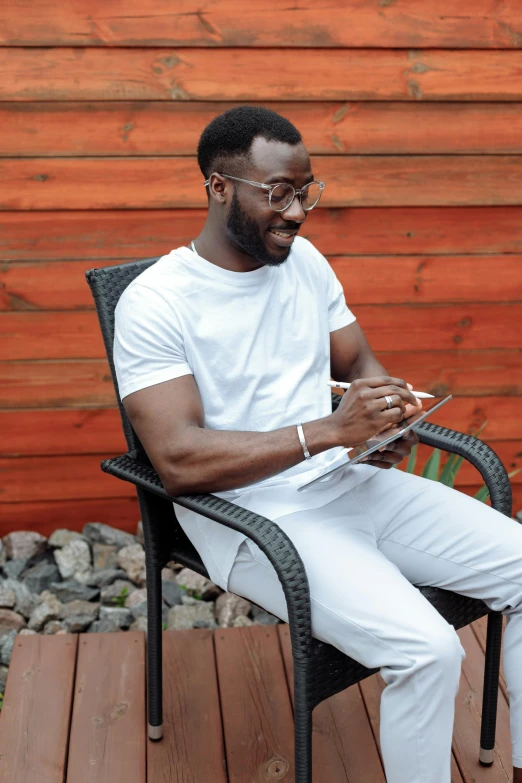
point(107, 285)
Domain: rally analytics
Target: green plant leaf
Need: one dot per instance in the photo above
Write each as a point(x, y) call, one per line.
point(431, 468)
point(412, 459)
point(482, 494)
point(449, 478)
point(446, 475)
point(163, 626)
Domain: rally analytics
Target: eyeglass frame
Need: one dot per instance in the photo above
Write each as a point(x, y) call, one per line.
point(271, 188)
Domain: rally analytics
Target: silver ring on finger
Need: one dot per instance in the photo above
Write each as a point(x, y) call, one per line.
point(389, 402)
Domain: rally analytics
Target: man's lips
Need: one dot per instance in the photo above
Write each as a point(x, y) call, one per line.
point(282, 237)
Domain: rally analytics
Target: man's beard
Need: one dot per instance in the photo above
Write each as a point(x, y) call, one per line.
point(244, 232)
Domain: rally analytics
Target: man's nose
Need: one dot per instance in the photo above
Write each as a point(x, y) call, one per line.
point(294, 212)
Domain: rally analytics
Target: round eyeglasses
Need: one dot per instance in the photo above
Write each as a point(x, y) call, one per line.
point(282, 194)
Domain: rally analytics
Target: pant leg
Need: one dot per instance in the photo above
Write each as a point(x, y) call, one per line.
point(363, 605)
point(438, 536)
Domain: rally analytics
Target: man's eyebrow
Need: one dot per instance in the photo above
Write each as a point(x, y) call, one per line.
point(278, 178)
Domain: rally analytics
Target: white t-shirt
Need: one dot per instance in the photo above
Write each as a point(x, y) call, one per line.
point(258, 346)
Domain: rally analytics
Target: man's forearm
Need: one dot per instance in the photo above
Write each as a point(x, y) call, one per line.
point(366, 367)
point(214, 461)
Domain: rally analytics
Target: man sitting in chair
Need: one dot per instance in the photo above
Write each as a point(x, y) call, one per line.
point(223, 351)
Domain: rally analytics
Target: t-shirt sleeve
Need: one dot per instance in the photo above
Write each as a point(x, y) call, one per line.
point(339, 314)
point(148, 341)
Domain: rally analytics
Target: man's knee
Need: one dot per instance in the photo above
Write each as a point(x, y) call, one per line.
point(444, 649)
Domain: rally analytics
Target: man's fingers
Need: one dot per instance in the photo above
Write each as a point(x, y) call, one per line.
point(383, 380)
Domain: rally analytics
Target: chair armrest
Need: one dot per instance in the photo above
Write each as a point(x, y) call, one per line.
point(474, 450)
point(481, 456)
point(264, 532)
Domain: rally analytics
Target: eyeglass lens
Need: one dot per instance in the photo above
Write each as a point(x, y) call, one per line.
point(282, 196)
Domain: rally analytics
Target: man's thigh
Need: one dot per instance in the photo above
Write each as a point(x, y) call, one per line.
point(360, 601)
point(438, 536)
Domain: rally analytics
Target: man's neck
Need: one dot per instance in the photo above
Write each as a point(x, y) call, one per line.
point(215, 248)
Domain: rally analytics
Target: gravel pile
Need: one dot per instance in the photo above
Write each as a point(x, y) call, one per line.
point(94, 581)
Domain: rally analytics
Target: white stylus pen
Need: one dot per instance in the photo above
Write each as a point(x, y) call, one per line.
point(419, 395)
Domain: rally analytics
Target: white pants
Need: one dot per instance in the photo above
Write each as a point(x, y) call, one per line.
point(363, 552)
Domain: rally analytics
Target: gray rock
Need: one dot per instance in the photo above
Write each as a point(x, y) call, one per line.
point(114, 591)
point(3, 553)
point(74, 559)
point(14, 568)
point(104, 556)
point(140, 610)
point(27, 604)
point(519, 516)
point(121, 616)
point(139, 624)
point(136, 597)
point(72, 590)
point(10, 621)
point(80, 607)
point(24, 543)
point(262, 617)
point(3, 678)
point(40, 577)
point(241, 621)
point(172, 593)
point(25, 601)
point(181, 617)
point(52, 627)
point(59, 538)
point(49, 609)
point(194, 582)
point(228, 607)
point(76, 623)
point(105, 577)
point(132, 560)
point(6, 646)
point(168, 575)
point(7, 597)
point(27, 632)
point(188, 600)
point(107, 625)
point(98, 533)
point(139, 533)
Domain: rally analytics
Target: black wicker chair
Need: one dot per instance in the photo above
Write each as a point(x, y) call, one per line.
point(320, 670)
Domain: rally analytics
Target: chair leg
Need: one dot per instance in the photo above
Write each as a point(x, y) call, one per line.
point(490, 692)
point(302, 731)
point(154, 650)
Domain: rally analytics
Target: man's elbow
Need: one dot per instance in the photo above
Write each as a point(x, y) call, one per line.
point(179, 475)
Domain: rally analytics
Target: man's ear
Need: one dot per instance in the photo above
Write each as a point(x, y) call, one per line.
point(217, 188)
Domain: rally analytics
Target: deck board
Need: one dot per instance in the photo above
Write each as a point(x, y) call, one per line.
point(74, 710)
point(35, 717)
point(255, 703)
point(192, 749)
point(108, 733)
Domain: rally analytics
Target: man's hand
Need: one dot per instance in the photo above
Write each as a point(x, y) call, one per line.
point(393, 453)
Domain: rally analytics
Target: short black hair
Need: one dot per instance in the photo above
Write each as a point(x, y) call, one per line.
point(230, 135)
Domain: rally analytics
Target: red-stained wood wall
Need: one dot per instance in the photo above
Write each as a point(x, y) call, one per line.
point(413, 115)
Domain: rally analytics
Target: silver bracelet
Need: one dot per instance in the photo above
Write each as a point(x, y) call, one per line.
point(303, 442)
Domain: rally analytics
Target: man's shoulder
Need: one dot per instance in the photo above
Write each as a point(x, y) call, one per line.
point(158, 278)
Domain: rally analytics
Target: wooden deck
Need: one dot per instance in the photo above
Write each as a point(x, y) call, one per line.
point(74, 712)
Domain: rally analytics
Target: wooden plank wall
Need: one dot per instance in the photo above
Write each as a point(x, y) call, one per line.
point(412, 113)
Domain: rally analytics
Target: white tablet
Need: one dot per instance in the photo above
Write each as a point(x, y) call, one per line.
point(356, 453)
